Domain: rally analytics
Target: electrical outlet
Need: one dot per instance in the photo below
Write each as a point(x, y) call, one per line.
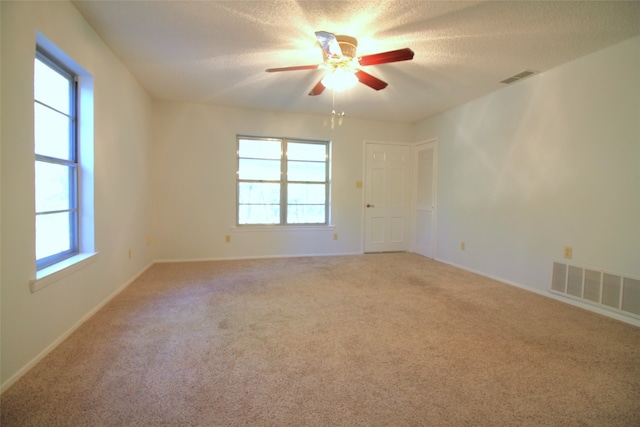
point(568, 252)
point(462, 246)
point(335, 236)
point(227, 238)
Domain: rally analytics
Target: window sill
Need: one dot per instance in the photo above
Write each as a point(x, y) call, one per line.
point(254, 228)
point(53, 273)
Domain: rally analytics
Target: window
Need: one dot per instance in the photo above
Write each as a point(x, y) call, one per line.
point(64, 165)
point(56, 161)
point(282, 181)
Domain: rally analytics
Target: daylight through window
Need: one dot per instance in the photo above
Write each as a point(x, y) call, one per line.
point(282, 181)
point(56, 163)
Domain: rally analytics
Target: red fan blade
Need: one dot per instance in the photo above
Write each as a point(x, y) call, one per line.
point(329, 44)
point(299, 67)
point(385, 57)
point(369, 80)
point(317, 89)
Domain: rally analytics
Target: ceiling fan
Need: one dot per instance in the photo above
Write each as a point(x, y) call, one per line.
point(343, 67)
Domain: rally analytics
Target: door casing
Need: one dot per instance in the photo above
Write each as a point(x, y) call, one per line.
point(424, 197)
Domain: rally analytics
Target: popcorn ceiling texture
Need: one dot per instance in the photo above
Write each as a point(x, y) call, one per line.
point(364, 340)
point(216, 51)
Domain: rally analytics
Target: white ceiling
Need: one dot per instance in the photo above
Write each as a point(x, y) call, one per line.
point(215, 52)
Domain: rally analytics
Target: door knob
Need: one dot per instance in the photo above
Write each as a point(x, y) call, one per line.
point(370, 206)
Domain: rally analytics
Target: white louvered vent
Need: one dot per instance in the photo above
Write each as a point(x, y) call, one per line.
point(611, 291)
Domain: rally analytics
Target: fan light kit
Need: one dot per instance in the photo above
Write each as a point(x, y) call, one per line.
point(339, 79)
point(343, 67)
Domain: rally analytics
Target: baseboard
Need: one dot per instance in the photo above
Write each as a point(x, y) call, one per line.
point(15, 377)
point(7, 384)
point(617, 316)
point(165, 260)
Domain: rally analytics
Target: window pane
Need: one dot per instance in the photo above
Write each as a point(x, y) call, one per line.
point(53, 234)
point(306, 193)
point(306, 214)
point(51, 87)
point(56, 173)
point(258, 193)
point(260, 178)
point(258, 214)
point(264, 170)
point(305, 151)
point(53, 187)
point(52, 133)
point(259, 149)
point(307, 171)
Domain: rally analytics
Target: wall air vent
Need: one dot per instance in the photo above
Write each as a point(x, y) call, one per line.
point(519, 76)
point(607, 290)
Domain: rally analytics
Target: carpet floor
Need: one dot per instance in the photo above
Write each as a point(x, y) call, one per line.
point(363, 340)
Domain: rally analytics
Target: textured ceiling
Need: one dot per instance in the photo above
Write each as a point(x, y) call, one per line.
point(215, 52)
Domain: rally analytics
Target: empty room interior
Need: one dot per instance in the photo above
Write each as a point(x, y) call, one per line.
point(320, 213)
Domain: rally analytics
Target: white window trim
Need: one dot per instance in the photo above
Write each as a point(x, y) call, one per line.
point(285, 226)
point(279, 228)
point(85, 152)
point(71, 163)
point(51, 274)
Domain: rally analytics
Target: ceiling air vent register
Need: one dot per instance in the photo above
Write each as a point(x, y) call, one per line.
point(519, 76)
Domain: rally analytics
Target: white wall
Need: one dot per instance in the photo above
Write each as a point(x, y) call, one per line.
point(194, 176)
point(552, 161)
point(31, 323)
point(549, 162)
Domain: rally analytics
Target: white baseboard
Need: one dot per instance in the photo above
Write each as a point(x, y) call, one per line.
point(39, 357)
point(15, 377)
point(165, 260)
point(612, 314)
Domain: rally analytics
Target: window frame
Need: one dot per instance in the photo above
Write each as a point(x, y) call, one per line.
point(283, 182)
point(72, 163)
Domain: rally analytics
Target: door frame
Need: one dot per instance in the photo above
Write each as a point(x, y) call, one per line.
point(414, 195)
point(410, 206)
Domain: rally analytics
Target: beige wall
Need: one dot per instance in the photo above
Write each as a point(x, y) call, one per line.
point(552, 161)
point(31, 323)
point(194, 172)
point(549, 162)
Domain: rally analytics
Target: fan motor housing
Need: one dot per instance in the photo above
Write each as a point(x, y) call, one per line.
point(348, 45)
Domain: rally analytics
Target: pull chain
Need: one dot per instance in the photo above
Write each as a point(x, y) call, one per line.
point(334, 114)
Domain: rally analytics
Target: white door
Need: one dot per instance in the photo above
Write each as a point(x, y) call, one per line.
point(425, 199)
point(387, 207)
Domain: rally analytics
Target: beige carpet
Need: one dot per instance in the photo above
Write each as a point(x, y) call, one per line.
point(370, 340)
